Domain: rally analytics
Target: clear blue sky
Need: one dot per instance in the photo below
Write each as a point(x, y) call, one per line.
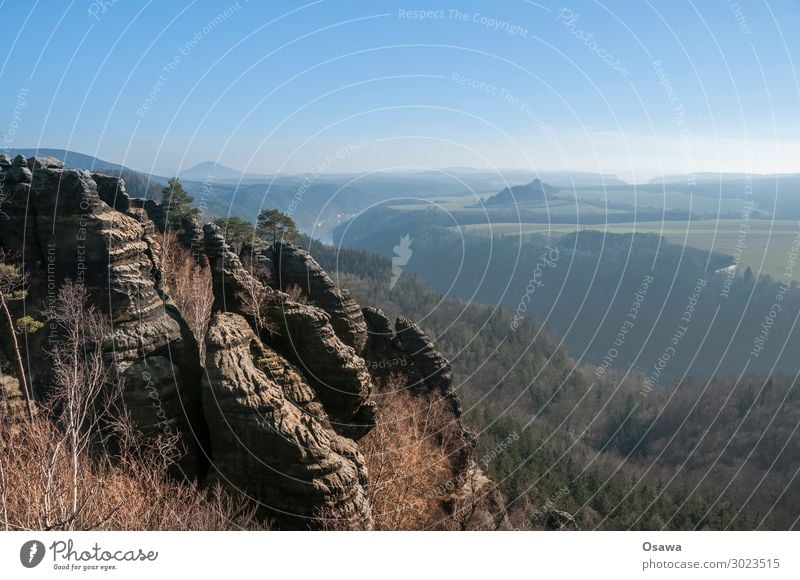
point(268, 86)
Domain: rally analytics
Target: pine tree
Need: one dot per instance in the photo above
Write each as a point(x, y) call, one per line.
point(275, 226)
point(178, 203)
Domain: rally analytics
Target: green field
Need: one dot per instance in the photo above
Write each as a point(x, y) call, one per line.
point(766, 244)
point(555, 208)
point(592, 201)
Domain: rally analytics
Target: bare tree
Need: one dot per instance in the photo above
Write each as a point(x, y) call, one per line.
point(12, 287)
point(88, 391)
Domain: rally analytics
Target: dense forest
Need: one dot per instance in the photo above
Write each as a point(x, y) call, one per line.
point(595, 442)
point(724, 323)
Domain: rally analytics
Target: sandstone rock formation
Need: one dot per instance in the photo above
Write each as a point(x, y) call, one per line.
point(301, 332)
point(286, 390)
point(408, 350)
point(60, 224)
point(294, 266)
point(436, 375)
point(270, 437)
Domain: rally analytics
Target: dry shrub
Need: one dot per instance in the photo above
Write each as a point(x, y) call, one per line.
point(408, 465)
point(257, 299)
point(56, 470)
point(188, 284)
point(128, 492)
point(295, 294)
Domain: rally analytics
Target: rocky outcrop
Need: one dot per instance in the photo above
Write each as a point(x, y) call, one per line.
point(409, 352)
point(383, 352)
point(339, 376)
point(286, 392)
point(270, 437)
point(301, 332)
point(62, 225)
point(294, 266)
point(436, 373)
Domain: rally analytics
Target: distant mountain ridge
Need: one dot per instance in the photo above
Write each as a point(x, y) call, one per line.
point(213, 170)
point(75, 160)
point(138, 184)
point(533, 192)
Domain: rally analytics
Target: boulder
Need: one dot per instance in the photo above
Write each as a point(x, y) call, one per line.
point(35, 163)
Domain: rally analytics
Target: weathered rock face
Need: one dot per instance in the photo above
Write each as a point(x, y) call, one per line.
point(61, 225)
point(270, 437)
point(339, 376)
point(383, 352)
point(437, 375)
point(302, 333)
point(294, 266)
point(230, 280)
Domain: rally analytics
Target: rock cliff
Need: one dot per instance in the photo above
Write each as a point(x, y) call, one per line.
point(60, 225)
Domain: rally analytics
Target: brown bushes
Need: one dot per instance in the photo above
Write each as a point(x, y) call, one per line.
point(188, 285)
point(56, 471)
point(125, 493)
point(406, 460)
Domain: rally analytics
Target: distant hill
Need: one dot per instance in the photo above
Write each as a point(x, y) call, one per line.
point(211, 169)
point(533, 192)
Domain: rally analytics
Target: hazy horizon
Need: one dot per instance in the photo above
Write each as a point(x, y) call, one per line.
point(280, 89)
